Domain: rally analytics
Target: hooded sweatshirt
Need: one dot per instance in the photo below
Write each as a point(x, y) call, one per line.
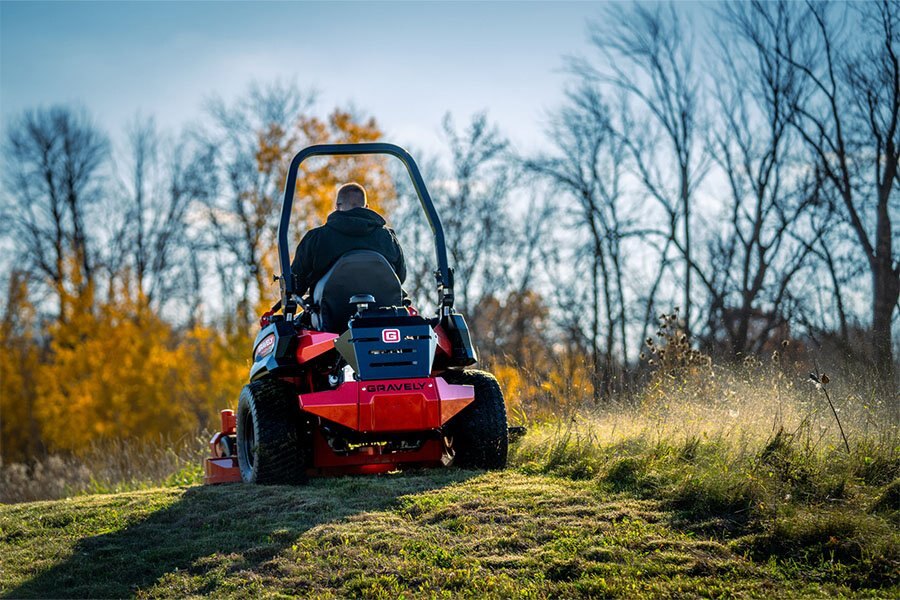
point(354, 229)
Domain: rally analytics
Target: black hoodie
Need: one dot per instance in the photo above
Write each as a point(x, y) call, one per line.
point(354, 229)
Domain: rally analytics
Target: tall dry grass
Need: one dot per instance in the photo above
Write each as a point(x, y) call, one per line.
point(104, 467)
point(687, 395)
point(784, 463)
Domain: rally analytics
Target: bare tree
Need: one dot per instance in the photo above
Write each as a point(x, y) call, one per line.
point(589, 168)
point(53, 174)
point(491, 250)
point(759, 249)
point(850, 121)
point(826, 304)
point(410, 224)
point(244, 212)
point(164, 179)
point(473, 208)
point(532, 258)
point(648, 54)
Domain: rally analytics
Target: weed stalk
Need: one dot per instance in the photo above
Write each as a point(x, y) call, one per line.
point(821, 381)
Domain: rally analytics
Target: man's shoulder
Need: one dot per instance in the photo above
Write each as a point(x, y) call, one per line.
point(312, 234)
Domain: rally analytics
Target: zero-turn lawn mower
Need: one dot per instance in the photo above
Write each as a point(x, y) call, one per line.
point(391, 391)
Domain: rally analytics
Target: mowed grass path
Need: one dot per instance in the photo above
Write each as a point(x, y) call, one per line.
point(434, 534)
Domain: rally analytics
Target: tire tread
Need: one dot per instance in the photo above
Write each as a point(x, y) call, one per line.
point(280, 458)
point(480, 434)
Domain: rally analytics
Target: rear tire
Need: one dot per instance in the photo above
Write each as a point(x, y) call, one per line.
point(479, 431)
point(269, 445)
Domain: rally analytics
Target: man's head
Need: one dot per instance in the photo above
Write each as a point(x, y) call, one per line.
point(350, 195)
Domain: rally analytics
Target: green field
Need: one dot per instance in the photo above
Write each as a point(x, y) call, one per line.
point(635, 518)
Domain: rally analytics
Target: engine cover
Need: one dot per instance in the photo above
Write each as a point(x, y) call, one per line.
point(397, 347)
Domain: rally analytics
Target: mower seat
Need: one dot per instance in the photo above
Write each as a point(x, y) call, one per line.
point(356, 272)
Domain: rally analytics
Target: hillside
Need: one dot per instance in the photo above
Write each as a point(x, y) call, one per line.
point(515, 533)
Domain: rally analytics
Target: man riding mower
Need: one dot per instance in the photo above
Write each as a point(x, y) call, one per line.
point(361, 383)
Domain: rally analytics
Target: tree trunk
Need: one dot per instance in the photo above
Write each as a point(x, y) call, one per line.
point(686, 207)
point(886, 285)
point(595, 329)
point(886, 278)
point(839, 300)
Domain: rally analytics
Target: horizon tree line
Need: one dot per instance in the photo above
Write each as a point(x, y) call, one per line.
point(754, 188)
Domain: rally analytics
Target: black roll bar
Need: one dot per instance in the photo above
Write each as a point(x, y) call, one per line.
point(443, 274)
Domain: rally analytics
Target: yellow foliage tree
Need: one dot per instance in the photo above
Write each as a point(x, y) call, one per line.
point(120, 371)
point(19, 370)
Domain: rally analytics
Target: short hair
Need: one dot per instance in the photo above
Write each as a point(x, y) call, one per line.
point(352, 194)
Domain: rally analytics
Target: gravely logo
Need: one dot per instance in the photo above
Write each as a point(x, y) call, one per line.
point(265, 347)
point(396, 387)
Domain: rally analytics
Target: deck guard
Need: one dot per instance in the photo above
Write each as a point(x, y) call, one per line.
point(395, 405)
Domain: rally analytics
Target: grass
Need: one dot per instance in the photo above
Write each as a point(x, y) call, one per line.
point(824, 516)
point(445, 533)
point(711, 483)
point(627, 517)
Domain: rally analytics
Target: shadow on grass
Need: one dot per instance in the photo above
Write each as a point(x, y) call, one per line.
point(240, 526)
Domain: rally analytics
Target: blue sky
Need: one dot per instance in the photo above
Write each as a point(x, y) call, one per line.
point(405, 63)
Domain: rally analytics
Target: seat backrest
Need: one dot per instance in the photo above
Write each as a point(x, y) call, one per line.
point(356, 272)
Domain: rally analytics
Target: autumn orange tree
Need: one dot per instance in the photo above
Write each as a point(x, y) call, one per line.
point(319, 178)
point(106, 361)
point(20, 358)
point(110, 369)
point(254, 140)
